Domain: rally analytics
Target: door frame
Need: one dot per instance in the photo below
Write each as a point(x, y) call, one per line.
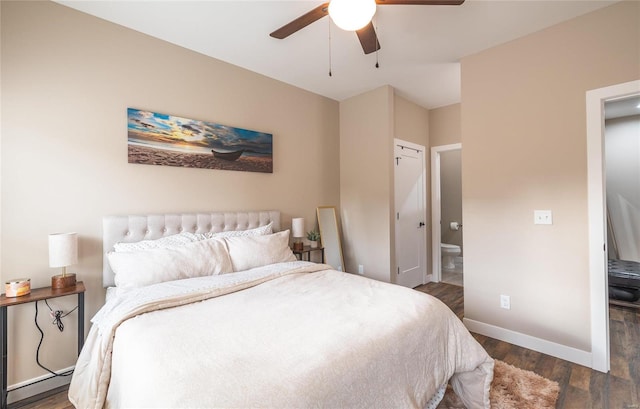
point(436, 213)
point(421, 149)
point(596, 196)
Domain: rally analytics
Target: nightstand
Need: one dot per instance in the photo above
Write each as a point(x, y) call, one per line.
point(36, 295)
point(308, 250)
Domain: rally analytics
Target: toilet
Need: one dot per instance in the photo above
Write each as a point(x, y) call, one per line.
point(449, 253)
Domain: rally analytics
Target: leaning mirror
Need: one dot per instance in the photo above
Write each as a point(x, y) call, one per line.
point(330, 236)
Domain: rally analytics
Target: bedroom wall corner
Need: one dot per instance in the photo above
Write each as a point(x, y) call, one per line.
point(369, 122)
point(524, 138)
point(366, 125)
point(67, 80)
point(445, 126)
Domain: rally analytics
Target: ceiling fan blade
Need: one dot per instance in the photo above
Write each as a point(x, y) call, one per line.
point(301, 22)
point(422, 2)
point(368, 39)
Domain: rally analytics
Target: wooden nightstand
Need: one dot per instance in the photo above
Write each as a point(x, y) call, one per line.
point(36, 295)
point(308, 250)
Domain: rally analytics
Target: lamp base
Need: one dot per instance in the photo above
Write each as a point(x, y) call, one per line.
point(63, 281)
point(298, 246)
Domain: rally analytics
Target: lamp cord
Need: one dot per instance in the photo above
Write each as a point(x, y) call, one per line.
point(58, 321)
point(58, 316)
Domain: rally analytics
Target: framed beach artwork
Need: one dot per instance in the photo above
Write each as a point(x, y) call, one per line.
point(160, 139)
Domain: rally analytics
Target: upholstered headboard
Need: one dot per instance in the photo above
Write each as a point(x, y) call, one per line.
point(154, 226)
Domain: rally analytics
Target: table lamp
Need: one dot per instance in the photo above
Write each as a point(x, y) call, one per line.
point(63, 252)
point(297, 231)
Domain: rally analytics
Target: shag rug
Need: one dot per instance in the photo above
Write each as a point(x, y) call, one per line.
point(513, 388)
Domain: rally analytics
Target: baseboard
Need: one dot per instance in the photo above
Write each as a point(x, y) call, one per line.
point(36, 386)
point(570, 354)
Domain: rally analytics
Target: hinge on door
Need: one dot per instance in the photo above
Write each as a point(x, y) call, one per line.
point(604, 247)
point(398, 270)
point(398, 160)
point(398, 216)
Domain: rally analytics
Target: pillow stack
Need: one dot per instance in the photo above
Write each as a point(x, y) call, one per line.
point(188, 255)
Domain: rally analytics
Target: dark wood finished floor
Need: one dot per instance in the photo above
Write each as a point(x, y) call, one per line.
point(56, 399)
point(580, 387)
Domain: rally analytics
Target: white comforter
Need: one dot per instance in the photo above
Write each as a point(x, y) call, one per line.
point(288, 335)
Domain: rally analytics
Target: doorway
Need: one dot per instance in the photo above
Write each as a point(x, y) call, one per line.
point(596, 99)
point(446, 214)
point(622, 181)
point(410, 214)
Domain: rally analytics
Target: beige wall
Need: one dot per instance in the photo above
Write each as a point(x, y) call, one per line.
point(366, 151)
point(524, 148)
point(444, 125)
point(67, 80)
point(411, 122)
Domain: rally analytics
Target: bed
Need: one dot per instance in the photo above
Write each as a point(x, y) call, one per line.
point(213, 310)
point(624, 282)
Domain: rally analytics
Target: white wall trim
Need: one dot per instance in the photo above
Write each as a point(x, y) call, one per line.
point(598, 279)
point(436, 228)
point(40, 387)
point(570, 354)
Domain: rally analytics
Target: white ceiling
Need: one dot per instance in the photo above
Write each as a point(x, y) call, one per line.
point(421, 46)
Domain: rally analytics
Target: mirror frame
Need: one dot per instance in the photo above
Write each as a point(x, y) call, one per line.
point(324, 238)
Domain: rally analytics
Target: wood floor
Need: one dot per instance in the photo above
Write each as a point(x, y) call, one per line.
point(57, 399)
point(580, 387)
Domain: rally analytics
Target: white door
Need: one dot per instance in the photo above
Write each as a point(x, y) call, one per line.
point(410, 214)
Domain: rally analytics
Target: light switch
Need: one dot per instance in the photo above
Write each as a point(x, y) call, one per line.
point(542, 217)
point(505, 302)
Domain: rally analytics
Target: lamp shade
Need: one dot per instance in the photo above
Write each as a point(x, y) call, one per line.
point(297, 227)
point(63, 249)
point(352, 15)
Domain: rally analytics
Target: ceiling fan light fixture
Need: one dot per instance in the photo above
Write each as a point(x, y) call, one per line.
point(352, 15)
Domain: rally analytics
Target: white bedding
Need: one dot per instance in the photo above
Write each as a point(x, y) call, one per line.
point(292, 334)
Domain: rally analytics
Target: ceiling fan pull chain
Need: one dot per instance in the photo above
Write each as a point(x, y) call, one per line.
point(375, 23)
point(329, 46)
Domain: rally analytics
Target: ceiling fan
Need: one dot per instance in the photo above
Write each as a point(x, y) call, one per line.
point(364, 9)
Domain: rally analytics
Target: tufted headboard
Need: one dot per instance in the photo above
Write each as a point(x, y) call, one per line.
point(154, 226)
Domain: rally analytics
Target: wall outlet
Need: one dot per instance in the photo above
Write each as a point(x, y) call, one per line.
point(360, 269)
point(542, 217)
point(505, 302)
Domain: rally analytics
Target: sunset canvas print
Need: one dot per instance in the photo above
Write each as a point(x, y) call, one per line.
point(159, 139)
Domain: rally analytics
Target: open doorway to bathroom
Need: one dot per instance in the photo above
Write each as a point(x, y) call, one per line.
point(447, 239)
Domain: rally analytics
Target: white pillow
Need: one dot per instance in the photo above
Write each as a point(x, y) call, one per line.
point(258, 231)
point(141, 268)
point(181, 239)
point(258, 251)
point(174, 240)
